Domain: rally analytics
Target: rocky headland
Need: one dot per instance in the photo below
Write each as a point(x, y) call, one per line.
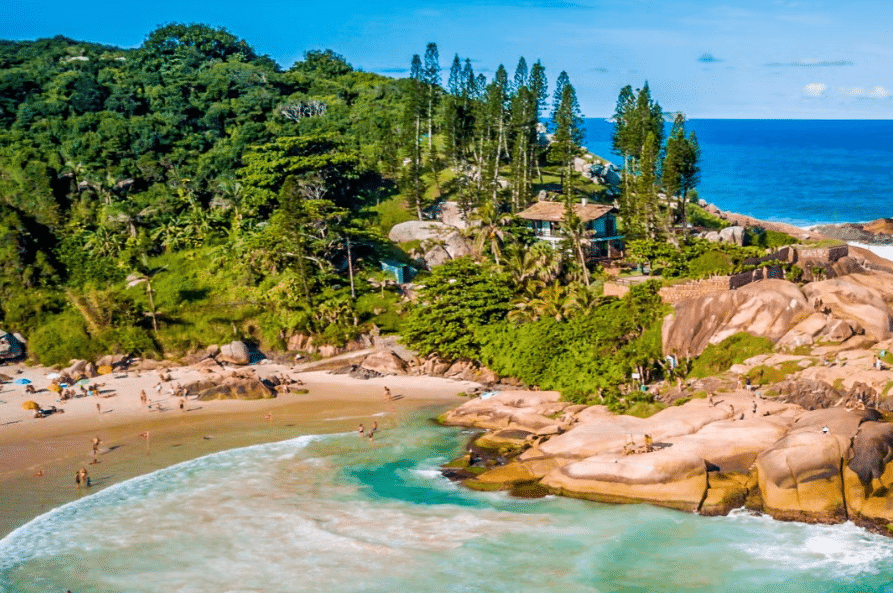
point(876, 232)
point(800, 433)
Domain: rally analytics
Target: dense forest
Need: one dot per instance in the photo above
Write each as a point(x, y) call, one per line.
point(190, 191)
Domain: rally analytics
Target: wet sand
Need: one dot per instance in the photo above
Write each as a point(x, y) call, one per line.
point(60, 444)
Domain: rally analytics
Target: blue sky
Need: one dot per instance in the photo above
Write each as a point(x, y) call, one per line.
point(746, 59)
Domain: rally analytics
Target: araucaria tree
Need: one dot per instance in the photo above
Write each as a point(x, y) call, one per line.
point(649, 166)
point(413, 114)
point(681, 171)
point(568, 122)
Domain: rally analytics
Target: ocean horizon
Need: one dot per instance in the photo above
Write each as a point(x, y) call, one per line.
point(798, 171)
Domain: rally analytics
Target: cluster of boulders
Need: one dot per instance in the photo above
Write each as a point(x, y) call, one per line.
point(853, 310)
point(730, 234)
point(387, 362)
point(244, 384)
point(709, 455)
point(308, 345)
point(439, 242)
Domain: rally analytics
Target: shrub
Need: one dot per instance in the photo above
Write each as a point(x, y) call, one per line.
point(737, 348)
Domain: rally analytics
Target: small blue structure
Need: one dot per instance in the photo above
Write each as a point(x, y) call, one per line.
point(402, 273)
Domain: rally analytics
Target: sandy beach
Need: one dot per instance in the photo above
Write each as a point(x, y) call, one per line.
point(40, 456)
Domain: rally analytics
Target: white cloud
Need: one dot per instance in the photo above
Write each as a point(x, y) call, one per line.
point(875, 92)
point(814, 89)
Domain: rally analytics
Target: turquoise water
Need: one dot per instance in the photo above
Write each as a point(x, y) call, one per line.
point(338, 513)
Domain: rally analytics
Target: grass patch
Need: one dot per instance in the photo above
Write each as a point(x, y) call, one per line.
point(764, 374)
point(697, 216)
point(735, 349)
point(644, 409)
point(391, 212)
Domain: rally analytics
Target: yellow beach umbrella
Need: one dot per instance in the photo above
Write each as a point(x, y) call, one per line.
point(54, 387)
point(104, 369)
point(30, 405)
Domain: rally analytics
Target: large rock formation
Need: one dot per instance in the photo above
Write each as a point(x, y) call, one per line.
point(769, 308)
point(709, 455)
point(832, 310)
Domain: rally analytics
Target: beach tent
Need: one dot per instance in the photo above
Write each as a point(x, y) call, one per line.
point(30, 405)
point(22, 381)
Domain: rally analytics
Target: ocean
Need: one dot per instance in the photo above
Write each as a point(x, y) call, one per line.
point(337, 513)
point(802, 172)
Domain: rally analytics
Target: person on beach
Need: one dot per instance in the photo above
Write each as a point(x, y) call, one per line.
point(387, 394)
point(82, 477)
point(361, 430)
point(98, 408)
point(96, 441)
point(182, 404)
point(143, 397)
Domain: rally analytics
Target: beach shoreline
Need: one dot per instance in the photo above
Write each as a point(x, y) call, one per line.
point(40, 456)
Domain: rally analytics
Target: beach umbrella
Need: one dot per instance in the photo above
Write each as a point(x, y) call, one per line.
point(54, 387)
point(83, 381)
point(22, 381)
point(30, 405)
point(54, 376)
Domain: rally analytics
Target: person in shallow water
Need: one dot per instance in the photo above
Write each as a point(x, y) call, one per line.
point(361, 430)
point(82, 477)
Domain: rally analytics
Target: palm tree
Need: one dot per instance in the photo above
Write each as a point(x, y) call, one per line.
point(575, 232)
point(584, 299)
point(552, 302)
point(145, 276)
point(491, 231)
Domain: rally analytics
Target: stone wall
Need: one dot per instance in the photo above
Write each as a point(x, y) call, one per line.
point(823, 254)
point(697, 288)
point(680, 292)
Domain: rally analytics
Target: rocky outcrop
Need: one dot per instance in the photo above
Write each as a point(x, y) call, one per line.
point(439, 242)
point(434, 366)
point(708, 455)
point(247, 388)
point(829, 311)
point(385, 362)
point(10, 347)
point(235, 352)
point(858, 303)
point(769, 308)
point(78, 369)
